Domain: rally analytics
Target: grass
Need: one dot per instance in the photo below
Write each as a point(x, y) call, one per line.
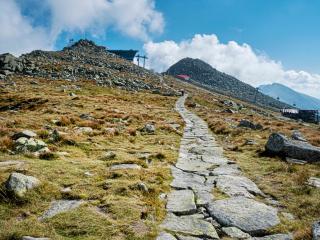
point(284, 182)
point(115, 208)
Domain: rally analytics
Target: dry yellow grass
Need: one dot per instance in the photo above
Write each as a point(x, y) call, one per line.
point(125, 212)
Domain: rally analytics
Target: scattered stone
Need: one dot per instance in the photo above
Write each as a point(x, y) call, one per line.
point(296, 135)
point(108, 156)
point(275, 237)
point(34, 238)
point(19, 184)
point(55, 136)
point(72, 94)
point(189, 225)
point(315, 182)
point(86, 116)
point(10, 163)
point(295, 161)
point(236, 233)
point(125, 166)
point(165, 236)
point(247, 124)
point(83, 130)
point(142, 187)
point(24, 134)
point(149, 128)
point(88, 174)
point(246, 214)
point(280, 145)
point(250, 142)
point(60, 206)
point(316, 231)
point(181, 202)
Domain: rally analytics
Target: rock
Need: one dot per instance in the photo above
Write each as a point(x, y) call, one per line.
point(181, 202)
point(55, 136)
point(189, 225)
point(250, 142)
point(60, 206)
point(88, 174)
point(25, 134)
point(296, 135)
point(315, 182)
point(142, 187)
point(316, 231)
point(185, 180)
point(34, 238)
point(275, 237)
point(23, 145)
point(235, 233)
point(19, 184)
point(10, 163)
point(280, 145)
point(295, 161)
point(10, 63)
point(86, 116)
point(227, 169)
point(125, 166)
point(246, 214)
point(165, 236)
point(72, 94)
point(149, 128)
point(247, 124)
point(83, 130)
point(108, 156)
point(181, 237)
point(288, 216)
point(236, 186)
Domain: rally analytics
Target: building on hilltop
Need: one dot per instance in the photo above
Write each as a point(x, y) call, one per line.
point(125, 54)
point(311, 116)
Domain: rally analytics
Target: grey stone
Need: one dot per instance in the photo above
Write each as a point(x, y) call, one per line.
point(189, 225)
point(315, 182)
point(235, 233)
point(23, 145)
point(275, 237)
point(60, 206)
point(165, 236)
point(149, 128)
point(184, 180)
point(19, 184)
point(247, 124)
point(181, 202)
point(246, 214)
point(108, 156)
point(227, 169)
point(296, 135)
point(26, 134)
point(125, 166)
point(10, 163)
point(279, 144)
point(235, 186)
point(142, 187)
point(83, 130)
point(181, 237)
point(316, 231)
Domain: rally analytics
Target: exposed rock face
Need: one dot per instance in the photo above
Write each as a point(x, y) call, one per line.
point(280, 145)
point(19, 184)
point(165, 236)
point(84, 60)
point(204, 75)
point(246, 214)
point(181, 202)
point(235, 233)
point(24, 145)
point(247, 124)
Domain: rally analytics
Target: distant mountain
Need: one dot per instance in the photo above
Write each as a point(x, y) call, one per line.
point(290, 96)
point(203, 74)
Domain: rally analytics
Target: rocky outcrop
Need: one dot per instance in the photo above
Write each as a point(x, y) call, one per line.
point(84, 60)
point(279, 144)
point(247, 124)
point(60, 206)
point(316, 231)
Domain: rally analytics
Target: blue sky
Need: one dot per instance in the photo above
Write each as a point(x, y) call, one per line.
point(257, 41)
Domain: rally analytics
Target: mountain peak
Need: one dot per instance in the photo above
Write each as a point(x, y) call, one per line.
point(85, 45)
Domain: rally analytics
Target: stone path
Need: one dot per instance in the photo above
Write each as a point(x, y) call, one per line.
point(193, 213)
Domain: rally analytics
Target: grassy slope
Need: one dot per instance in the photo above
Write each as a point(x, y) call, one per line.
point(283, 181)
point(125, 212)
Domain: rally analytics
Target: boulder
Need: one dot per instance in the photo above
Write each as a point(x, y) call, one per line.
point(10, 63)
point(296, 135)
point(279, 144)
point(165, 236)
point(149, 128)
point(246, 214)
point(247, 124)
point(314, 182)
point(23, 145)
point(19, 184)
point(83, 130)
point(108, 156)
point(316, 231)
point(60, 206)
point(26, 134)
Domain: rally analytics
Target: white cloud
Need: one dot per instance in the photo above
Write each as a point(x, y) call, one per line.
point(137, 19)
point(238, 60)
point(17, 35)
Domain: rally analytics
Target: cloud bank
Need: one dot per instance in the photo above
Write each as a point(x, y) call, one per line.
point(237, 60)
point(19, 34)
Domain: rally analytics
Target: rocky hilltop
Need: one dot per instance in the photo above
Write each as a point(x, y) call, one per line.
point(83, 60)
point(208, 77)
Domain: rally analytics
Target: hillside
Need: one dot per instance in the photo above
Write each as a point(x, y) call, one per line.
point(290, 96)
point(202, 73)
